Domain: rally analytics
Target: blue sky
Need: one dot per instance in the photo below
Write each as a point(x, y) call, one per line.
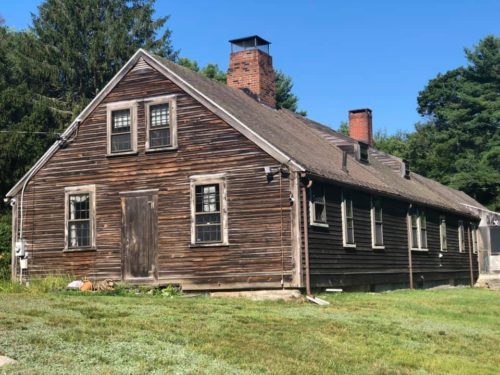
point(341, 54)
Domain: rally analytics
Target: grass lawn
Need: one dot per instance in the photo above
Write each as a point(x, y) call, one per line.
point(405, 332)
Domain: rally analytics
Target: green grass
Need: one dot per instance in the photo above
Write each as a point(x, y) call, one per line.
point(406, 332)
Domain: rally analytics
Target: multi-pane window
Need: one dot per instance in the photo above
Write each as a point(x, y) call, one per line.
point(161, 123)
point(474, 238)
point(414, 230)
point(121, 127)
point(461, 236)
point(80, 224)
point(377, 223)
point(423, 230)
point(208, 213)
point(79, 220)
point(418, 230)
point(442, 234)
point(159, 129)
point(318, 205)
point(347, 220)
point(121, 131)
point(208, 210)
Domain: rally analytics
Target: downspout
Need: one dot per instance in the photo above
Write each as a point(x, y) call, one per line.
point(470, 258)
point(306, 237)
point(409, 234)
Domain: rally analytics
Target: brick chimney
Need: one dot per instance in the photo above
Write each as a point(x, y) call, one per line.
point(251, 68)
point(360, 125)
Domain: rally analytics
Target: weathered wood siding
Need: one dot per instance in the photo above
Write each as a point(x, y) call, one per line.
point(259, 250)
point(334, 265)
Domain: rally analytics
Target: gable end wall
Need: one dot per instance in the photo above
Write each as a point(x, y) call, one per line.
point(260, 239)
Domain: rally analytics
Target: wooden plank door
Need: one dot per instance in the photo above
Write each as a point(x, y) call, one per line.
point(139, 235)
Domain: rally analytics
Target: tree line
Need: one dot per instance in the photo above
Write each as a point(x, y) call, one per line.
point(459, 144)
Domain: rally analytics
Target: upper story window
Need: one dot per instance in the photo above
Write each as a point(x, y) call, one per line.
point(161, 123)
point(363, 152)
point(442, 233)
point(418, 231)
point(347, 221)
point(122, 127)
point(208, 210)
point(461, 236)
point(317, 205)
point(80, 217)
point(377, 224)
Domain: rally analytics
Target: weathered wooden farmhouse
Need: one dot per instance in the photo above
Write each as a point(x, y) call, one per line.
point(169, 177)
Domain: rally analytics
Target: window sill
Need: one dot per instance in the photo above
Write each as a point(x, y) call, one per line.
point(160, 149)
point(216, 244)
point(319, 225)
point(350, 245)
point(116, 154)
point(79, 249)
point(378, 247)
point(421, 250)
point(444, 251)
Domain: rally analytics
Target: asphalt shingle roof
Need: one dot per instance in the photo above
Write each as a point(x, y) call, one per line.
point(301, 139)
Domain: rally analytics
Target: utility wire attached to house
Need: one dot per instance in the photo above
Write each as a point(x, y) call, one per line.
point(28, 132)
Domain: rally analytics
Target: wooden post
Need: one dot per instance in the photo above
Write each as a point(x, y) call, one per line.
point(297, 277)
point(306, 240)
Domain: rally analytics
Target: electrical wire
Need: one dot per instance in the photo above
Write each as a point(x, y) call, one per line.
point(27, 132)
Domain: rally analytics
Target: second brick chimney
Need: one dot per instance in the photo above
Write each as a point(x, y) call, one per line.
point(251, 68)
point(360, 125)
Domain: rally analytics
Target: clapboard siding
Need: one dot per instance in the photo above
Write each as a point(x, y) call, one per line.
point(333, 265)
point(259, 248)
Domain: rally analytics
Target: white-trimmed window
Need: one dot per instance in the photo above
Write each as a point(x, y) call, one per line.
point(418, 230)
point(209, 224)
point(317, 205)
point(377, 224)
point(443, 237)
point(474, 231)
point(161, 123)
point(461, 236)
point(80, 217)
point(122, 127)
point(347, 221)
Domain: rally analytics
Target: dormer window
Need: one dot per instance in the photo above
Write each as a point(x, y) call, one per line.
point(122, 128)
point(161, 123)
point(406, 171)
point(363, 152)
